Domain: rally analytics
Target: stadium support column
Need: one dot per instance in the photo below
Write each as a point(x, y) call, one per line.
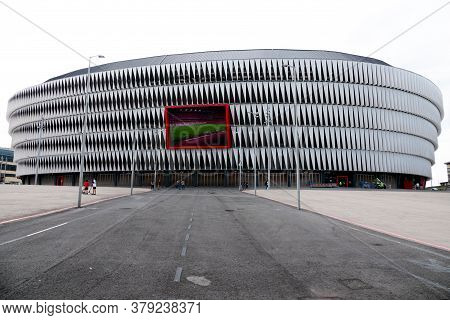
point(195, 178)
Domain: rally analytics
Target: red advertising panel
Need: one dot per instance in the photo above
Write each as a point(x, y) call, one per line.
point(198, 126)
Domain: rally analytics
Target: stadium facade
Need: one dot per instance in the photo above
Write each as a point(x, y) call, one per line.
point(356, 119)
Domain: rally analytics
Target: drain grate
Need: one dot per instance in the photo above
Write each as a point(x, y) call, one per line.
point(229, 210)
point(355, 284)
point(377, 244)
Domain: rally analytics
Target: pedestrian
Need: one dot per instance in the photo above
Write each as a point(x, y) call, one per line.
point(177, 185)
point(86, 187)
point(94, 187)
point(266, 184)
point(182, 184)
point(159, 184)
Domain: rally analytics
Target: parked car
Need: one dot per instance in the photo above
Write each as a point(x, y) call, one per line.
point(12, 180)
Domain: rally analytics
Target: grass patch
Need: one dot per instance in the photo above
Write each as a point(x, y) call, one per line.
point(180, 133)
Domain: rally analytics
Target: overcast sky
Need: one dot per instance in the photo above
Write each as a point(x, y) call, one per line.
point(135, 29)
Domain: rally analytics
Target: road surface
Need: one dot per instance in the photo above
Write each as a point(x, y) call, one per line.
point(210, 244)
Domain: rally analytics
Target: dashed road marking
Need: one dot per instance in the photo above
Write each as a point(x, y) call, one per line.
point(178, 274)
point(187, 237)
point(189, 227)
point(201, 281)
point(183, 251)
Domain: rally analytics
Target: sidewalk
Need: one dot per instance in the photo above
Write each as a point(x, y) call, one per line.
point(419, 216)
point(21, 201)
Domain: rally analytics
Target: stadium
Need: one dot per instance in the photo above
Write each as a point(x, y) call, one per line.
point(204, 117)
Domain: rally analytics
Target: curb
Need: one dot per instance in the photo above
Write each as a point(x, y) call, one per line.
point(436, 246)
point(36, 215)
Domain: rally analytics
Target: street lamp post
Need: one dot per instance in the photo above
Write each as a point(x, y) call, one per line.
point(154, 177)
point(269, 158)
point(1, 169)
point(133, 155)
point(240, 174)
point(38, 157)
point(83, 127)
point(255, 116)
point(239, 160)
point(297, 155)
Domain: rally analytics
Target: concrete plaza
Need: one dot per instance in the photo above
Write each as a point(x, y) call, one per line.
point(21, 201)
point(420, 216)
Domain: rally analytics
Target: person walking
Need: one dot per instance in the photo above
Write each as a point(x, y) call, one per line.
point(182, 184)
point(94, 187)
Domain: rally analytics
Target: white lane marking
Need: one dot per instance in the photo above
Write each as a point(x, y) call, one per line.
point(187, 237)
point(48, 229)
point(76, 219)
point(189, 227)
point(191, 219)
point(34, 233)
point(183, 251)
point(178, 274)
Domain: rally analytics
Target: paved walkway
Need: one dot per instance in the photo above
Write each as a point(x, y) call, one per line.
point(21, 201)
point(420, 216)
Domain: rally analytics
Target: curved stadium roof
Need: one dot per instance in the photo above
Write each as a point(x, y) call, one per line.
point(224, 55)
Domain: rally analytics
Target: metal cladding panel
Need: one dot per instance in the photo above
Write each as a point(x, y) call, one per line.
point(353, 113)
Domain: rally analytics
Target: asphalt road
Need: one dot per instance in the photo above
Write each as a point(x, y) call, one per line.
point(210, 244)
